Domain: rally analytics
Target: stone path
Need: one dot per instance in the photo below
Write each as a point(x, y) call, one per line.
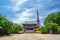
point(31, 36)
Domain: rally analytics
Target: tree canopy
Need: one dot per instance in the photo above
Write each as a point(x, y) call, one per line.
point(7, 26)
point(53, 18)
point(51, 23)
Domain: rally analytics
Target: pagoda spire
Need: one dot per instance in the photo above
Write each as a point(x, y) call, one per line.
point(38, 21)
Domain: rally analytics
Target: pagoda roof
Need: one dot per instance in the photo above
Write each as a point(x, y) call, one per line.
point(29, 24)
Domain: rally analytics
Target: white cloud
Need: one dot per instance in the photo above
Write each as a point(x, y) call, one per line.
point(51, 11)
point(24, 16)
point(40, 4)
point(18, 3)
point(7, 7)
point(40, 17)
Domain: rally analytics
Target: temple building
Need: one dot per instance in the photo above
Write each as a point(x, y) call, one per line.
point(30, 25)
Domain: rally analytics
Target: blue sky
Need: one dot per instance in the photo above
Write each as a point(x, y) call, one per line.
point(19, 11)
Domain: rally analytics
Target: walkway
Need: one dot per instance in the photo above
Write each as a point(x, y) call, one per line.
point(31, 36)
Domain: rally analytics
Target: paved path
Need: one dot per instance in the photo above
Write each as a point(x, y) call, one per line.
point(31, 36)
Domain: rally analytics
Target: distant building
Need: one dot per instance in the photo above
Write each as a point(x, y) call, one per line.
point(30, 25)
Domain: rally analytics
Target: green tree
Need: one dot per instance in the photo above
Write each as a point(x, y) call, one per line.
point(52, 22)
point(7, 26)
point(53, 18)
point(16, 28)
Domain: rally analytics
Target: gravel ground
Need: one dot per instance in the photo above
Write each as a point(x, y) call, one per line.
point(31, 36)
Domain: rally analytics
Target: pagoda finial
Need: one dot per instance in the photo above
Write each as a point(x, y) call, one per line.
point(38, 21)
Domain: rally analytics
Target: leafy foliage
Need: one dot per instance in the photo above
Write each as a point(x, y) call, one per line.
point(43, 30)
point(7, 26)
point(51, 22)
point(53, 18)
